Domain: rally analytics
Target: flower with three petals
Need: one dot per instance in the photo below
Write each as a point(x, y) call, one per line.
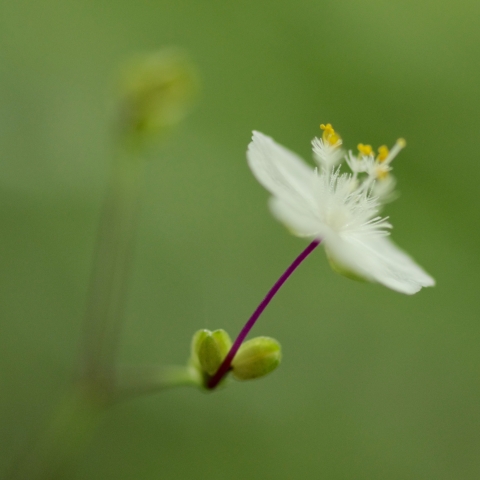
point(340, 209)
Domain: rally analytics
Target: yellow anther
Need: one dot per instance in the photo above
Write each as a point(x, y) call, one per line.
point(364, 149)
point(401, 142)
point(330, 135)
point(383, 152)
point(328, 129)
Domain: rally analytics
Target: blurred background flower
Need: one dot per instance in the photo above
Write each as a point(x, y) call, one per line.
point(381, 386)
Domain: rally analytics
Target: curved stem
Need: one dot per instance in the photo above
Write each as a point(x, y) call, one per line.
point(225, 366)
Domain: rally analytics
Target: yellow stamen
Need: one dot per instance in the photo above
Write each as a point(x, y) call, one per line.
point(330, 135)
point(401, 142)
point(383, 152)
point(364, 149)
point(328, 129)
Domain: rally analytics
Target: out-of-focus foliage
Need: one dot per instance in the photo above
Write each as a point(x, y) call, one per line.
point(373, 384)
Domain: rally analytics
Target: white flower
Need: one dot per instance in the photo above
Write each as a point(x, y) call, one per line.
point(340, 209)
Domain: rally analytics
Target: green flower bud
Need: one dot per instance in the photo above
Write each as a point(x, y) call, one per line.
point(256, 358)
point(209, 349)
point(156, 92)
point(197, 340)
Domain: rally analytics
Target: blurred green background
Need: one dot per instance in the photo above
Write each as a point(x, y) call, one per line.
point(374, 384)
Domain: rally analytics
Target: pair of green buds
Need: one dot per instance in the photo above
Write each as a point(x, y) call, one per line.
point(255, 358)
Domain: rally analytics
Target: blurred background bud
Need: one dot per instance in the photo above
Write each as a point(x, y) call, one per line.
point(156, 92)
point(256, 358)
point(209, 349)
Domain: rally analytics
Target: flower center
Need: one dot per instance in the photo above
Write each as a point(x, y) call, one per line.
point(338, 217)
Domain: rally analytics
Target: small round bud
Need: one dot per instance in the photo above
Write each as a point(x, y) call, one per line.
point(156, 92)
point(209, 349)
point(256, 358)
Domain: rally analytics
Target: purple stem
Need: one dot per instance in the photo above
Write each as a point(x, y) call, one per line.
point(225, 366)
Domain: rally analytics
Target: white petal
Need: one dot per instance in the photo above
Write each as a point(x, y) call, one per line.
point(281, 172)
point(380, 260)
point(301, 223)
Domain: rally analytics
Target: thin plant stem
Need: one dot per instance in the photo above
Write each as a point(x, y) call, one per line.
point(227, 362)
point(111, 269)
point(147, 380)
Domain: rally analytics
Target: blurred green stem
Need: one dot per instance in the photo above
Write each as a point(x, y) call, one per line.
point(58, 449)
point(136, 381)
point(111, 267)
point(155, 96)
